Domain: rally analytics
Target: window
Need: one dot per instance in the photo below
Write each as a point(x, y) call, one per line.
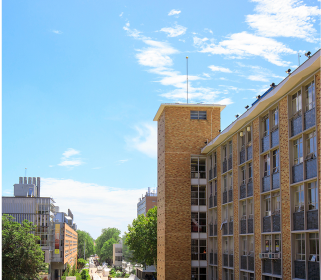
point(243, 177)
point(198, 222)
point(230, 181)
point(224, 153)
point(202, 250)
point(250, 206)
point(224, 183)
point(242, 140)
point(194, 195)
point(251, 244)
point(266, 125)
point(225, 246)
point(249, 135)
point(314, 247)
point(244, 208)
point(267, 205)
point(194, 249)
point(310, 96)
point(230, 149)
point(198, 115)
point(250, 171)
point(298, 151)
point(276, 156)
point(300, 247)
point(276, 202)
point(312, 145)
point(211, 188)
point(275, 117)
point(194, 168)
point(268, 243)
point(299, 198)
point(266, 165)
point(296, 103)
point(277, 243)
point(210, 162)
point(313, 195)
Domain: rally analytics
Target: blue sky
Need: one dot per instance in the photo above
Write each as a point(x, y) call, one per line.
point(82, 81)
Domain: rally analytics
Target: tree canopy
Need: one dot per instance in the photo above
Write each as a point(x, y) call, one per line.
point(103, 248)
point(127, 253)
point(22, 257)
point(90, 248)
point(142, 238)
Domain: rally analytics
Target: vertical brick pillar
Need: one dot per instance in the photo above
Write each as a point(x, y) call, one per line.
point(236, 209)
point(285, 189)
point(257, 196)
point(219, 213)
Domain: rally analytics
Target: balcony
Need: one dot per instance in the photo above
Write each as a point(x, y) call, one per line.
point(311, 168)
point(211, 229)
point(297, 173)
point(267, 266)
point(250, 224)
point(276, 180)
point(230, 195)
point(299, 269)
point(313, 270)
point(242, 156)
point(231, 257)
point(210, 200)
point(250, 261)
point(210, 175)
point(225, 259)
point(224, 197)
point(244, 262)
point(250, 188)
point(215, 200)
point(224, 228)
point(215, 229)
point(215, 258)
point(214, 172)
point(312, 217)
point(265, 183)
point(249, 152)
point(230, 228)
point(224, 165)
point(296, 124)
point(277, 267)
point(267, 224)
point(212, 258)
point(275, 137)
point(309, 118)
point(276, 222)
point(243, 191)
point(298, 220)
point(265, 143)
point(243, 226)
point(230, 163)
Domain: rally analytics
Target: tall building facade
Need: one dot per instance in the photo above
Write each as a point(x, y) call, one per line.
point(262, 185)
point(146, 202)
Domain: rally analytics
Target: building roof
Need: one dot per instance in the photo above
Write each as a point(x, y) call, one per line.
point(163, 105)
point(299, 75)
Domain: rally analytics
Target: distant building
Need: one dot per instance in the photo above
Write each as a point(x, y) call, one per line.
point(57, 232)
point(118, 254)
point(146, 202)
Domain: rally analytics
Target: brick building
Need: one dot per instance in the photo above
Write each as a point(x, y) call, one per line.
point(242, 203)
point(146, 202)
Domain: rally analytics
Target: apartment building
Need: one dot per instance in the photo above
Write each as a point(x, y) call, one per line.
point(118, 254)
point(146, 202)
point(251, 192)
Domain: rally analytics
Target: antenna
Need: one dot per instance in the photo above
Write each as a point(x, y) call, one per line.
point(299, 58)
point(187, 76)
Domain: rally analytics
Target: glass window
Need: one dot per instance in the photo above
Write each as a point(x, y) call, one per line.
point(202, 167)
point(202, 249)
point(249, 135)
point(267, 205)
point(275, 117)
point(244, 208)
point(224, 183)
point(202, 195)
point(224, 152)
point(194, 195)
point(312, 145)
point(198, 115)
point(194, 168)
point(266, 125)
point(266, 165)
point(214, 159)
point(314, 247)
point(250, 206)
point(310, 96)
point(299, 198)
point(296, 102)
point(313, 195)
point(243, 177)
point(230, 181)
point(225, 245)
point(194, 222)
point(276, 202)
point(251, 244)
point(268, 243)
point(300, 247)
point(298, 151)
point(277, 243)
point(242, 139)
point(250, 170)
point(276, 156)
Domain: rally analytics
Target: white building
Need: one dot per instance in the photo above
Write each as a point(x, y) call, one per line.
point(118, 254)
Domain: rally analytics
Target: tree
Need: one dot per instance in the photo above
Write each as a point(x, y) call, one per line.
point(106, 252)
point(142, 238)
point(81, 263)
point(89, 249)
point(127, 253)
point(22, 257)
point(106, 234)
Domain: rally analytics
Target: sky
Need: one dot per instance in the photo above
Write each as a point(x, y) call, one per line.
point(83, 80)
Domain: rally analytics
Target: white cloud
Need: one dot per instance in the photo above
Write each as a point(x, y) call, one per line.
point(208, 30)
point(241, 45)
point(284, 18)
point(174, 12)
point(174, 31)
point(57, 32)
point(121, 14)
point(123, 160)
point(219, 69)
point(94, 206)
point(206, 75)
point(67, 161)
point(259, 78)
point(146, 139)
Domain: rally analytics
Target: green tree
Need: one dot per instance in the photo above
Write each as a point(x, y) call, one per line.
point(106, 234)
point(85, 274)
point(22, 257)
point(89, 249)
point(106, 252)
point(81, 263)
point(142, 238)
point(127, 253)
